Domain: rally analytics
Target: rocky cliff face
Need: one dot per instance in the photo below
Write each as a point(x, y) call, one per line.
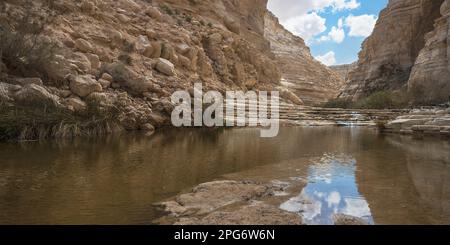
point(408, 48)
point(133, 54)
point(313, 82)
point(343, 70)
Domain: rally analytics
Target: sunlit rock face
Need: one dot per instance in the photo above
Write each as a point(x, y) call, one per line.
point(401, 42)
point(312, 81)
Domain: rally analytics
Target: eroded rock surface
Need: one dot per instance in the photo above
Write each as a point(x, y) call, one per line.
point(227, 202)
point(309, 79)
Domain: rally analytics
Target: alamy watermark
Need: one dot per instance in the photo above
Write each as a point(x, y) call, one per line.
point(238, 108)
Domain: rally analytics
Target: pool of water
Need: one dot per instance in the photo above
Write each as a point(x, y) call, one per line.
point(384, 179)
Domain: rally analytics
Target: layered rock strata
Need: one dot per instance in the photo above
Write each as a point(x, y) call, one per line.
point(407, 50)
point(309, 79)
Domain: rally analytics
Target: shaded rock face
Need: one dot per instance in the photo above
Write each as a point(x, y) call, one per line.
point(313, 82)
point(408, 47)
point(431, 72)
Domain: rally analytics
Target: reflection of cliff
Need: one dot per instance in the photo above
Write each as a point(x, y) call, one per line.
point(431, 179)
point(394, 190)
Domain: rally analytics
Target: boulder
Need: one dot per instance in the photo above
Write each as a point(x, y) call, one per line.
point(94, 60)
point(154, 13)
point(80, 63)
point(166, 67)
point(148, 127)
point(84, 85)
point(33, 94)
point(142, 44)
point(76, 104)
point(83, 45)
point(232, 25)
point(157, 50)
point(105, 83)
point(107, 77)
point(182, 48)
point(7, 90)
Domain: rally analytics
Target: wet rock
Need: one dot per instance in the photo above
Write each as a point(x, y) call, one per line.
point(84, 85)
point(211, 196)
point(253, 214)
point(342, 219)
point(148, 128)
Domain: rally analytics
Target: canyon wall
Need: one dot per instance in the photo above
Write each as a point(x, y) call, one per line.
point(313, 82)
point(408, 49)
point(343, 70)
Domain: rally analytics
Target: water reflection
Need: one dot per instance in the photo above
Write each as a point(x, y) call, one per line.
point(355, 171)
point(331, 189)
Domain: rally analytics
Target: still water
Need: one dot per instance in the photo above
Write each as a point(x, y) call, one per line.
point(384, 179)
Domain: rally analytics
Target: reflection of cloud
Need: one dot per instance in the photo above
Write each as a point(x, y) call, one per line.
point(333, 199)
point(310, 208)
point(356, 207)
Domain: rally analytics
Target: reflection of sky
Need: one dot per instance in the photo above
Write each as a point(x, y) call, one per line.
point(331, 189)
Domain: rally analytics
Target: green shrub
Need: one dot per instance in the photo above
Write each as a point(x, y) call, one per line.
point(166, 9)
point(377, 100)
point(339, 103)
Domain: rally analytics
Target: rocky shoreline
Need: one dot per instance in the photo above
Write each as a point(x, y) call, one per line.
point(422, 122)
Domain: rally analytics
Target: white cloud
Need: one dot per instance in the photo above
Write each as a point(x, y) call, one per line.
point(301, 16)
point(360, 26)
point(328, 59)
point(343, 4)
point(286, 9)
point(337, 33)
point(306, 26)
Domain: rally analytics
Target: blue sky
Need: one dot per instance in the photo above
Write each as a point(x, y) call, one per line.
point(333, 29)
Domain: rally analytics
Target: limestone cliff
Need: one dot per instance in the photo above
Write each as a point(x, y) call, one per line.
point(343, 70)
point(408, 49)
point(313, 82)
